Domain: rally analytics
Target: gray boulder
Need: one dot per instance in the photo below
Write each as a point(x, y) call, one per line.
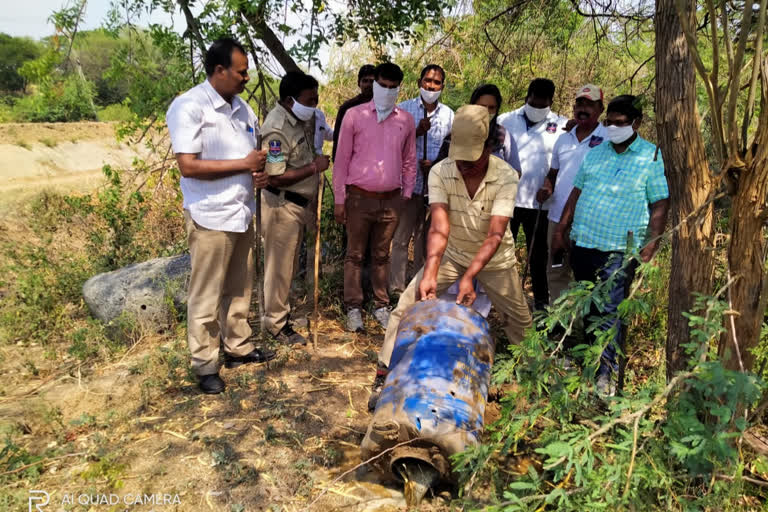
point(146, 293)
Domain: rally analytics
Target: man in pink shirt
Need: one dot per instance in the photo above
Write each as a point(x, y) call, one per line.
point(375, 168)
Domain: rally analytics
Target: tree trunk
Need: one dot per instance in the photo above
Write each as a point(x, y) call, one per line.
point(745, 253)
point(691, 184)
point(270, 40)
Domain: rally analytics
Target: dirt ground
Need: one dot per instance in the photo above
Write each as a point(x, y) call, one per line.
point(65, 157)
point(275, 440)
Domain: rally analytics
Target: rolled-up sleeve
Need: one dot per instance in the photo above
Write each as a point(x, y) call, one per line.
point(185, 123)
point(409, 157)
point(343, 157)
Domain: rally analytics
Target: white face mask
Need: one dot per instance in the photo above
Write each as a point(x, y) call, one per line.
point(618, 134)
point(303, 112)
point(535, 115)
point(384, 99)
point(429, 97)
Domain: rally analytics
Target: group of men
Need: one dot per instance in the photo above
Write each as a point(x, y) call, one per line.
point(454, 186)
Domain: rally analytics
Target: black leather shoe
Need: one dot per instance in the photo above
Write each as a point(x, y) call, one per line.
point(290, 337)
point(257, 355)
point(211, 384)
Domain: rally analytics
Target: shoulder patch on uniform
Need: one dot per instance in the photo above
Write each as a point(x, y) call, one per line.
point(275, 154)
point(595, 140)
point(551, 127)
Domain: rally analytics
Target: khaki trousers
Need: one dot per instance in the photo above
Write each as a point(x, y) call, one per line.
point(502, 286)
point(558, 278)
point(413, 218)
point(282, 229)
point(219, 295)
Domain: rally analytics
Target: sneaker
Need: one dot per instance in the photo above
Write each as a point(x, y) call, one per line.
point(288, 336)
point(354, 320)
point(605, 386)
point(382, 316)
point(378, 385)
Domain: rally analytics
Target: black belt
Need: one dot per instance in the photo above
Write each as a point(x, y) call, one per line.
point(293, 197)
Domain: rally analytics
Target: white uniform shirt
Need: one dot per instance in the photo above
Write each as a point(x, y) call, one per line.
point(534, 145)
point(567, 156)
point(323, 132)
point(201, 122)
point(441, 120)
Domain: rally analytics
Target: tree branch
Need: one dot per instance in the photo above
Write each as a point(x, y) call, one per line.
point(267, 36)
point(750, 107)
point(734, 159)
point(192, 26)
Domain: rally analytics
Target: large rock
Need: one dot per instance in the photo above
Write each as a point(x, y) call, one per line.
point(145, 293)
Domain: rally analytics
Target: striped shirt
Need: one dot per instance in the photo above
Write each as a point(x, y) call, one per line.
point(616, 190)
point(441, 120)
point(470, 218)
point(201, 122)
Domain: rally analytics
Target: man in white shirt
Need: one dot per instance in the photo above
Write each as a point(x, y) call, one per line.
point(535, 129)
point(569, 151)
point(213, 134)
point(433, 123)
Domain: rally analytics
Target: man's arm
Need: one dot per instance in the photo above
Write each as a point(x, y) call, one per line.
point(291, 176)
point(496, 231)
point(437, 241)
point(656, 225)
point(341, 165)
point(548, 187)
point(409, 161)
point(560, 236)
point(192, 166)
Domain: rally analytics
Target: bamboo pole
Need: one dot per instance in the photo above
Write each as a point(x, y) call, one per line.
point(318, 218)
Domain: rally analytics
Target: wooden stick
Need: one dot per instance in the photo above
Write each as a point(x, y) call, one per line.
point(258, 271)
point(316, 316)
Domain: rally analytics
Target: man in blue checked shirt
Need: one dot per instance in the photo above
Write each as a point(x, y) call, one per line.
point(619, 189)
point(433, 123)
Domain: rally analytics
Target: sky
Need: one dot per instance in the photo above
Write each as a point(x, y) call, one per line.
point(32, 20)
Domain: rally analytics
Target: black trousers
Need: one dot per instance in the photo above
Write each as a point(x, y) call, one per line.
point(526, 217)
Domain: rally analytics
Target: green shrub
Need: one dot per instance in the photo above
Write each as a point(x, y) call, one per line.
point(116, 112)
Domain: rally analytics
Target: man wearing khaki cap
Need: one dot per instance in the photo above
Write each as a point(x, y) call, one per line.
point(472, 197)
point(567, 155)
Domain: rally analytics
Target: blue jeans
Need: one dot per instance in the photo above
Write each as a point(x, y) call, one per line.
point(593, 265)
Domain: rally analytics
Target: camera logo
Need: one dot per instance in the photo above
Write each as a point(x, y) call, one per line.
point(38, 499)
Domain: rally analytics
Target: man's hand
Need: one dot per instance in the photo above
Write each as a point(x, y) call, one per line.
point(560, 241)
point(340, 213)
point(260, 179)
point(255, 160)
point(648, 251)
point(428, 288)
point(423, 127)
point(545, 192)
point(466, 295)
point(425, 165)
point(322, 162)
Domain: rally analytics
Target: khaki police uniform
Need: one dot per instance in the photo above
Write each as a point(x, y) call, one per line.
point(284, 210)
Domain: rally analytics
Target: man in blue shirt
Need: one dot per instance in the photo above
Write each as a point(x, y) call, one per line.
point(620, 190)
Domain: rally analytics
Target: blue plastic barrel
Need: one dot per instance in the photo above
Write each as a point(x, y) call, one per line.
point(437, 384)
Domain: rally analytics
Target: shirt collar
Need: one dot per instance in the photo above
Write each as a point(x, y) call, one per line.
point(372, 106)
point(597, 132)
point(421, 105)
point(287, 115)
point(216, 99)
point(491, 175)
point(634, 147)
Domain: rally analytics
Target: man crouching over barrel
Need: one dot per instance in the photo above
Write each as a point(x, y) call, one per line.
point(472, 197)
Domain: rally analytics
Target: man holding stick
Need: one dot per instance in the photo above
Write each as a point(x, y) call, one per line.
point(213, 133)
point(294, 170)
